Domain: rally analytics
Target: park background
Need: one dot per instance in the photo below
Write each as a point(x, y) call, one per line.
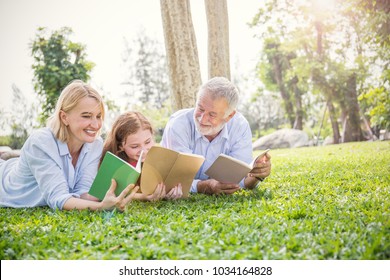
point(321, 202)
point(104, 27)
point(321, 68)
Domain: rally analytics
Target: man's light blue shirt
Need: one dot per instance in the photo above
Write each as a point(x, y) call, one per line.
point(44, 174)
point(235, 140)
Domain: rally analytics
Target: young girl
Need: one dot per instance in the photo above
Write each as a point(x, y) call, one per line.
point(58, 163)
point(130, 135)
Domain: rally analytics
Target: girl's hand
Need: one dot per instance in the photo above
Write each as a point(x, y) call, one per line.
point(159, 193)
point(175, 193)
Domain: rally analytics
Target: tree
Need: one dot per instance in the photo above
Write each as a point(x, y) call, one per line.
point(57, 61)
point(20, 119)
point(147, 75)
point(182, 52)
point(333, 70)
point(371, 20)
point(218, 38)
point(273, 69)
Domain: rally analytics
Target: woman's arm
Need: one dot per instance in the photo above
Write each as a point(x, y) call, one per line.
point(109, 201)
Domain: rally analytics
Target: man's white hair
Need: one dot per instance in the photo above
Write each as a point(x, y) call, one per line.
point(220, 87)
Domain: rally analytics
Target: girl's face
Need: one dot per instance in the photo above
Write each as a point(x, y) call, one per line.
point(142, 140)
point(84, 121)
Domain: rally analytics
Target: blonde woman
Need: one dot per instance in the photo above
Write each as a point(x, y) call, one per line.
point(58, 163)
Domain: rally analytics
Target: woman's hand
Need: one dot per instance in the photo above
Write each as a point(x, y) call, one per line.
point(111, 200)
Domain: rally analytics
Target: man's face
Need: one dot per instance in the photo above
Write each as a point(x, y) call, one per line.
point(210, 115)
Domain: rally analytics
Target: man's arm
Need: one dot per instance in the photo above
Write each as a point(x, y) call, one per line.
point(212, 186)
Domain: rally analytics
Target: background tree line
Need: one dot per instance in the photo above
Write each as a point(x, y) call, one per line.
point(337, 55)
point(323, 69)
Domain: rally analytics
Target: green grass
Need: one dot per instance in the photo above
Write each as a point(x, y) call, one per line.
point(328, 202)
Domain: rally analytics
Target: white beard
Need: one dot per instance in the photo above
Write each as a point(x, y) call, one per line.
point(210, 131)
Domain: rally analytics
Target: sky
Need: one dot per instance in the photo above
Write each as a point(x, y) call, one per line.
point(103, 26)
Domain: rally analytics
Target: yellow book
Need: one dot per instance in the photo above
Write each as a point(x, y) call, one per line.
point(166, 166)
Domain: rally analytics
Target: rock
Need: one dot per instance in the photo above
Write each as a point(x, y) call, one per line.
point(328, 141)
point(384, 135)
point(283, 138)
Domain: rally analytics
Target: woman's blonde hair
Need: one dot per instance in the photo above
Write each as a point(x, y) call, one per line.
point(69, 98)
point(126, 124)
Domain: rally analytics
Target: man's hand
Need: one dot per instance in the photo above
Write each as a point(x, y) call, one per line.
point(212, 186)
point(261, 170)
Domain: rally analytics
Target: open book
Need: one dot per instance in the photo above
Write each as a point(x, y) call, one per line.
point(227, 169)
point(161, 165)
point(113, 167)
point(171, 168)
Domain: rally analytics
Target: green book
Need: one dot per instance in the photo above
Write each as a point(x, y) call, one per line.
point(114, 167)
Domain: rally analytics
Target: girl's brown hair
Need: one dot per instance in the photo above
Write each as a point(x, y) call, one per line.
point(126, 124)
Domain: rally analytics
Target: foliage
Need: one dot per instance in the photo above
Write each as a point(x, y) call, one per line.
point(329, 202)
point(5, 140)
point(378, 12)
point(263, 112)
point(378, 101)
point(147, 75)
point(57, 61)
point(21, 119)
point(158, 118)
point(301, 39)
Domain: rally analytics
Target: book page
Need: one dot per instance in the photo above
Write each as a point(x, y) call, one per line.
point(166, 166)
point(259, 156)
point(183, 172)
point(226, 169)
point(156, 167)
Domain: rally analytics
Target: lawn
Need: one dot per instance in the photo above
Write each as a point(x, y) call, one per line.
point(329, 202)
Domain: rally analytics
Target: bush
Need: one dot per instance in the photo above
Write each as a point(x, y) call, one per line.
point(5, 140)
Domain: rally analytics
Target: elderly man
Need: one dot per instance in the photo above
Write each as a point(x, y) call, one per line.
point(211, 128)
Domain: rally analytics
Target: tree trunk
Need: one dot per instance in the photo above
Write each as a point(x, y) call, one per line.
point(333, 120)
point(182, 52)
point(218, 38)
point(352, 129)
point(298, 123)
point(321, 82)
point(278, 75)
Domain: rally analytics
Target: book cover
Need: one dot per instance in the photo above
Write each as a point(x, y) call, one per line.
point(114, 167)
point(166, 166)
point(227, 169)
